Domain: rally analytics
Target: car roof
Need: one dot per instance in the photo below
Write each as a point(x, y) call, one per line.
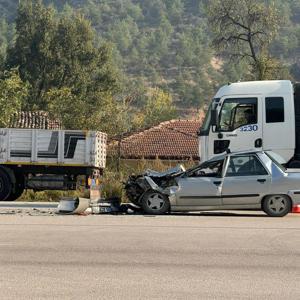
point(246, 152)
point(223, 156)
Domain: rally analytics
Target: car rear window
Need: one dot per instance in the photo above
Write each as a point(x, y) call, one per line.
point(245, 165)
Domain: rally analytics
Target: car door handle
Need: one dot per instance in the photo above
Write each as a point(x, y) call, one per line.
point(261, 180)
point(217, 182)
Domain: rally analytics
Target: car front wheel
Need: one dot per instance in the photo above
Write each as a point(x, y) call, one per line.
point(155, 203)
point(277, 205)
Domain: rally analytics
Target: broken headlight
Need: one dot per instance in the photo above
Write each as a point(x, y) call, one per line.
point(173, 190)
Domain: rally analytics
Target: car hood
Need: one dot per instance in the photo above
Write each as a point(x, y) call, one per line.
point(178, 170)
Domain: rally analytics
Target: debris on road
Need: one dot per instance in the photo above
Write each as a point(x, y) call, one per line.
point(81, 206)
point(28, 212)
point(73, 205)
point(69, 206)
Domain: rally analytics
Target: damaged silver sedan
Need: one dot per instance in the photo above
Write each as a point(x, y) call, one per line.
point(245, 180)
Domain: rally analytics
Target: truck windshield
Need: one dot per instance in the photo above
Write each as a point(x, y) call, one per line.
point(237, 112)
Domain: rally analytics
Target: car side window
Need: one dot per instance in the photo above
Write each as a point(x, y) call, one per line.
point(245, 165)
point(213, 169)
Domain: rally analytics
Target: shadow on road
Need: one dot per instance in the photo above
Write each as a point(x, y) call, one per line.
point(221, 214)
point(254, 214)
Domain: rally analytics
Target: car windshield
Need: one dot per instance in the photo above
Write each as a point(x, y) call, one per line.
point(277, 159)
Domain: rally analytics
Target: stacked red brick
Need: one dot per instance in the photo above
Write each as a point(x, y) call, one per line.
point(34, 120)
point(175, 140)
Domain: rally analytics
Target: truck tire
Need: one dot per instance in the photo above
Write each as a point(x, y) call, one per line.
point(155, 203)
point(18, 187)
point(15, 195)
point(277, 205)
point(5, 185)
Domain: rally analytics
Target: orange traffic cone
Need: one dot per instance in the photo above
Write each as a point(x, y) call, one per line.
point(296, 209)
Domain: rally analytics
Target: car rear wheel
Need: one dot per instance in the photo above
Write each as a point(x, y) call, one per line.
point(277, 205)
point(155, 203)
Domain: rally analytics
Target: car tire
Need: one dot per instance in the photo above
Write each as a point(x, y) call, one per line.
point(5, 185)
point(155, 203)
point(277, 205)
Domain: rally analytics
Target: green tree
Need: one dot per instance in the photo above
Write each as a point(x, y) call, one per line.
point(66, 107)
point(159, 107)
point(112, 117)
point(6, 38)
point(123, 33)
point(3, 37)
point(13, 92)
point(35, 25)
point(175, 8)
point(69, 74)
point(78, 63)
point(55, 52)
point(244, 30)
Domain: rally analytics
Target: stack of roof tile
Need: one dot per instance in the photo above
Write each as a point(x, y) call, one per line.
point(34, 120)
point(174, 140)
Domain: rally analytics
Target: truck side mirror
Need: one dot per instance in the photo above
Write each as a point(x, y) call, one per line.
point(214, 117)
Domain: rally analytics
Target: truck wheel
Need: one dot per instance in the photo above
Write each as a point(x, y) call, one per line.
point(277, 205)
point(15, 195)
point(5, 185)
point(155, 203)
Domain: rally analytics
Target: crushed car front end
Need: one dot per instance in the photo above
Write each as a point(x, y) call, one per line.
point(137, 185)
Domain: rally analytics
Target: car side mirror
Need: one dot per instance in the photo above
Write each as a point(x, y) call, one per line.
point(214, 117)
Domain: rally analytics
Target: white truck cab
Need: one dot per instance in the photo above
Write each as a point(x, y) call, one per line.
point(255, 115)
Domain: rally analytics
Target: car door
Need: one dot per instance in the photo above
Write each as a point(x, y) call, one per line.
point(246, 180)
point(201, 187)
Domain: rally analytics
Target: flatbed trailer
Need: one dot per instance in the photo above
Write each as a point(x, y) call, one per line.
point(40, 159)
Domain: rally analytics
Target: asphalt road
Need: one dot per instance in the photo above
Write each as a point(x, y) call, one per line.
point(204, 256)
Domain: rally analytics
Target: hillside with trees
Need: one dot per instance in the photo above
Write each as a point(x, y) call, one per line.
point(145, 48)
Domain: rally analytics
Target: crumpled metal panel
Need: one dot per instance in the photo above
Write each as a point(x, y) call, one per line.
point(73, 205)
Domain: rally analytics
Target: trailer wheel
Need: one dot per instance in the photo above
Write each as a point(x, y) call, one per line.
point(18, 189)
point(5, 185)
point(155, 203)
point(15, 195)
